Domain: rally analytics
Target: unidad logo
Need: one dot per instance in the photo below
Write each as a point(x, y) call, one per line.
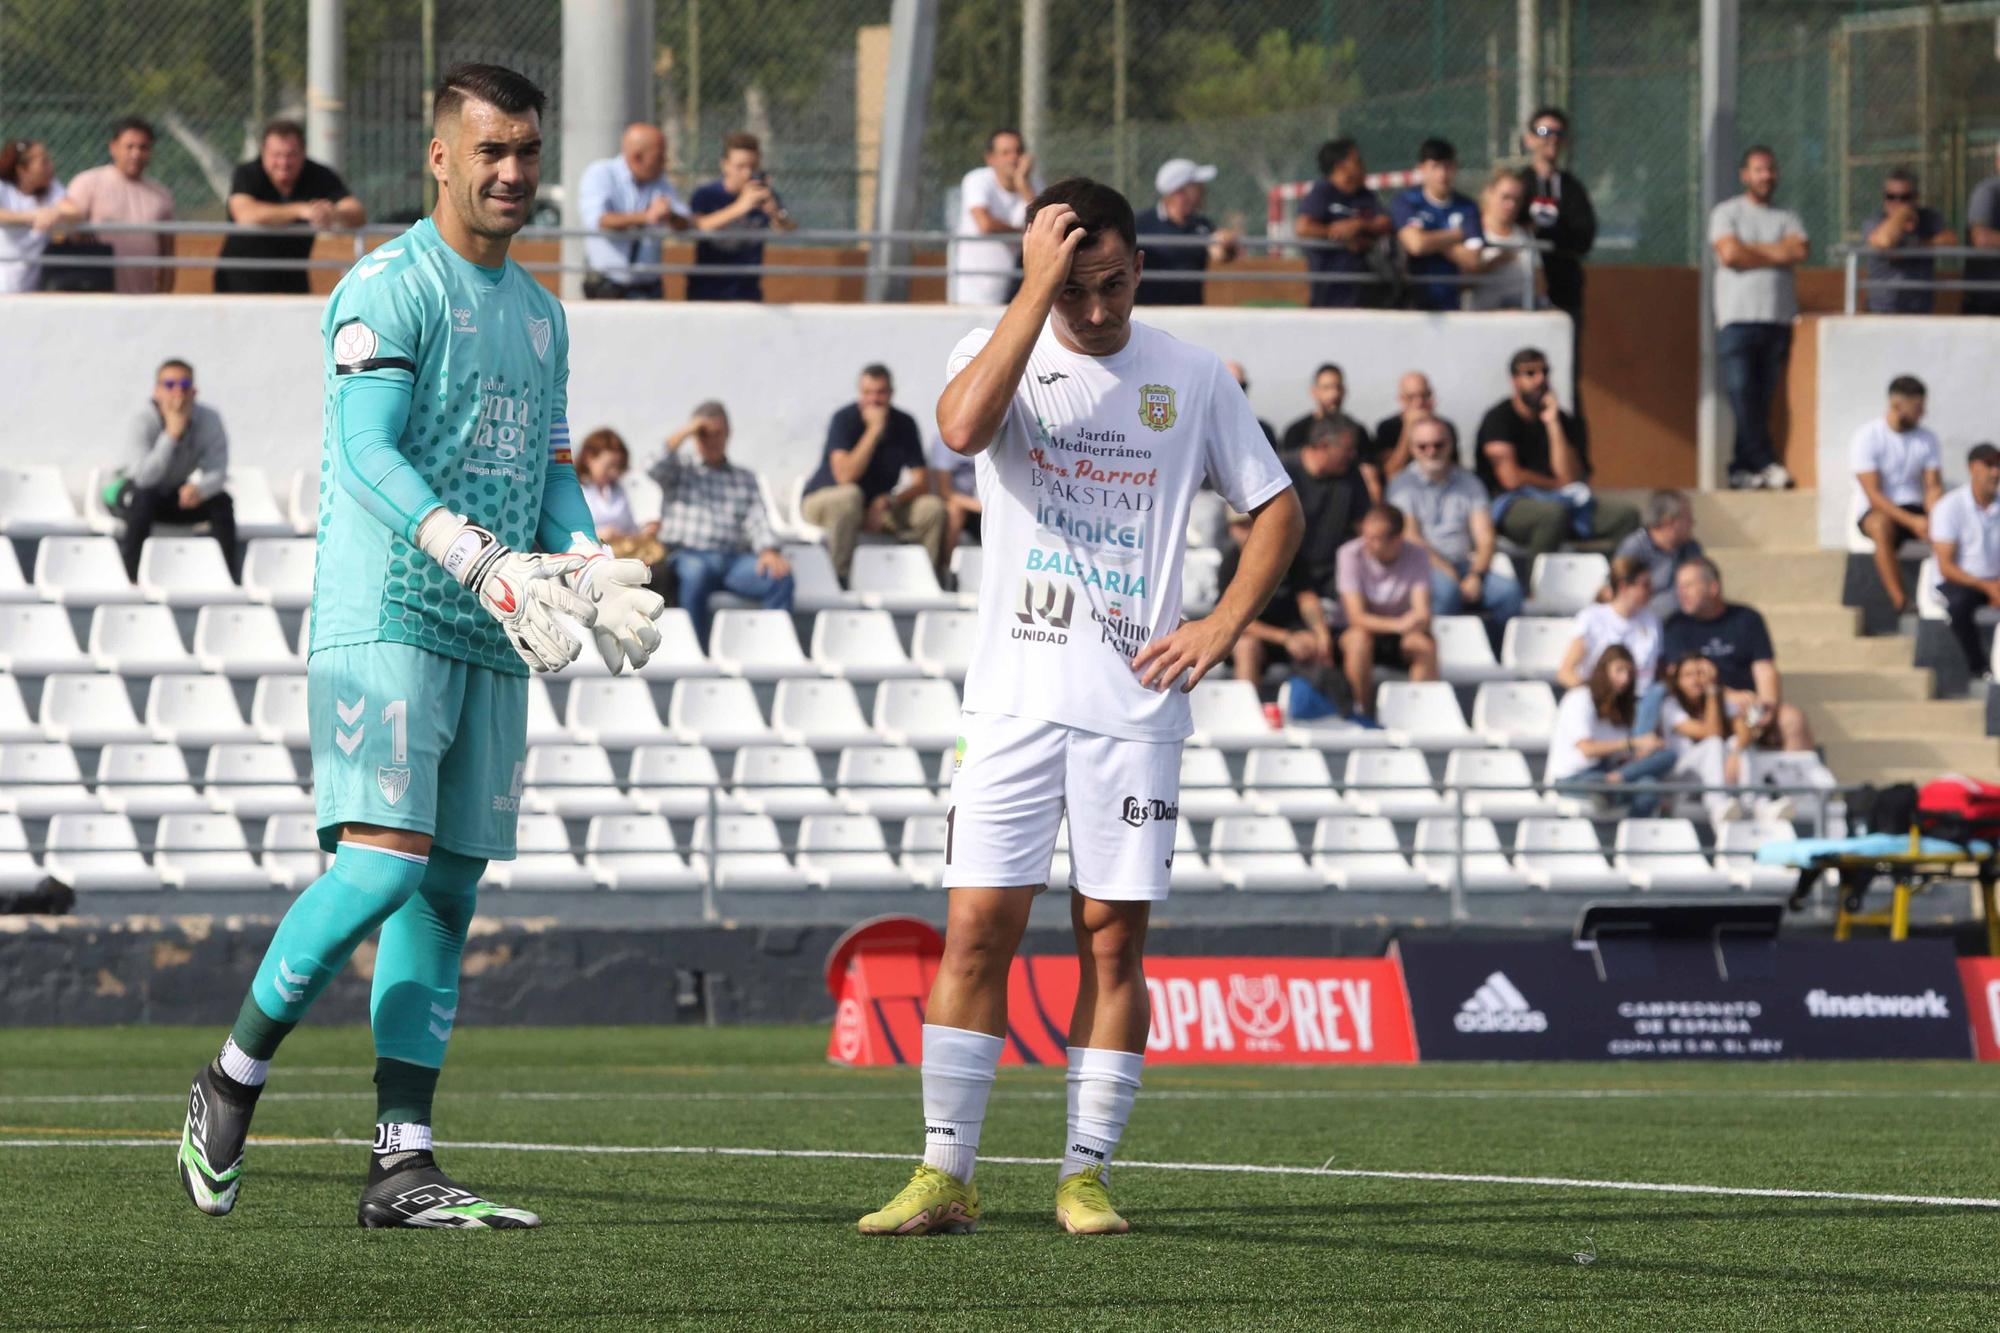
point(1499, 1006)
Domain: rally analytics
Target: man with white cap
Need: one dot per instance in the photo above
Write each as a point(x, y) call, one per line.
point(1181, 183)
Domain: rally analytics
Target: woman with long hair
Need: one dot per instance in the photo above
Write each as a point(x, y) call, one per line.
point(1595, 739)
point(1707, 728)
point(1503, 257)
point(29, 193)
point(1621, 615)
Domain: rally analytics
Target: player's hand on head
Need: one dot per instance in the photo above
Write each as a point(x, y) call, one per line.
point(1047, 248)
point(1192, 650)
point(524, 591)
point(624, 606)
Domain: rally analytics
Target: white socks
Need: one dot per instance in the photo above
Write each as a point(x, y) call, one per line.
point(401, 1137)
point(1102, 1085)
point(958, 1075)
point(241, 1067)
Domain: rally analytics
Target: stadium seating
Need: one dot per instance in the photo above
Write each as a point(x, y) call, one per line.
point(860, 646)
point(35, 503)
point(886, 781)
point(846, 852)
point(1533, 646)
point(1736, 856)
point(822, 714)
point(1394, 784)
point(146, 781)
point(83, 571)
point(815, 585)
point(253, 782)
point(1207, 790)
point(1518, 713)
point(1665, 854)
point(201, 851)
point(1296, 784)
point(1449, 853)
point(138, 641)
point(897, 577)
point(89, 710)
point(41, 779)
point(677, 781)
point(292, 857)
point(1359, 852)
point(636, 853)
point(542, 859)
point(722, 714)
point(279, 713)
point(278, 571)
point(782, 781)
point(97, 851)
point(15, 724)
point(572, 781)
point(1565, 582)
point(243, 641)
point(14, 587)
point(679, 656)
point(195, 711)
point(1498, 786)
point(18, 868)
point(923, 848)
point(967, 563)
point(918, 713)
point(748, 854)
point(1424, 714)
point(38, 640)
point(1465, 651)
point(944, 641)
point(757, 645)
point(186, 571)
point(1228, 716)
point(1260, 852)
point(1564, 855)
point(618, 714)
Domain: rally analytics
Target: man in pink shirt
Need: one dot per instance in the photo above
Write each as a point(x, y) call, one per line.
point(120, 192)
point(1385, 589)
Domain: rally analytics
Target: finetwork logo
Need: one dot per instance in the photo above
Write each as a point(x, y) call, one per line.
point(1928, 1005)
point(1498, 1006)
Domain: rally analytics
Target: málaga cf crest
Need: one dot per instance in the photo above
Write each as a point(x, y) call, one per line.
point(1156, 406)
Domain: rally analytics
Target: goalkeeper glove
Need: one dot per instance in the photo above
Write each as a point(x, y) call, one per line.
point(521, 590)
point(626, 607)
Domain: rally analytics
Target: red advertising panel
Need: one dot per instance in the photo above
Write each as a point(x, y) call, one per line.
point(1982, 1003)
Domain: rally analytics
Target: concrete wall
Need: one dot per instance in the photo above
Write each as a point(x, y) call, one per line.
point(82, 367)
point(1955, 356)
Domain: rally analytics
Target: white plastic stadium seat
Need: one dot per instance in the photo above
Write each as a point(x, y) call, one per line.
point(616, 713)
point(1566, 581)
point(1498, 785)
point(1736, 847)
point(1393, 783)
point(257, 513)
point(1534, 645)
point(757, 645)
point(89, 710)
point(279, 712)
point(186, 571)
point(542, 859)
point(14, 586)
point(99, 851)
point(923, 849)
point(243, 641)
point(278, 571)
point(1259, 852)
point(945, 641)
point(302, 502)
point(748, 854)
point(897, 577)
point(1664, 855)
point(1201, 580)
point(15, 724)
point(1930, 602)
point(636, 852)
point(718, 713)
point(37, 640)
point(918, 713)
point(544, 727)
point(1207, 791)
point(1564, 855)
point(1190, 871)
point(782, 781)
point(205, 852)
point(1485, 867)
point(860, 645)
point(847, 852)
point(967, 564)
point(1520, 713)
point(138, 640)
point(573, 781)
point(34, 503)
point(679, 656)
point(1465, 653)
point(194, 711)
point(1424, 714)
point(886, 781)
point(253, 781)
point(677, 781)
point(815, 586)
point(1297, 784)
point(83, 571)
point(292, 858)
point(824, 714)
point(1228, 716)
point(39, 779)
point(1359, 853)
point(17, 865)
point(146, 781)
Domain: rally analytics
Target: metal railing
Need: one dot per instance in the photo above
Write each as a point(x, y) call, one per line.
point(1855, 277)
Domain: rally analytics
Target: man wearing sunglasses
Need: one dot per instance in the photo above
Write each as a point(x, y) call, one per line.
point(1903, 223)
point(180, 461)
point(1556, 207)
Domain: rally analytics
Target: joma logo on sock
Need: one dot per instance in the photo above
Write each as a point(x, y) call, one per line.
point(1082, 1151)
point(942, 1131)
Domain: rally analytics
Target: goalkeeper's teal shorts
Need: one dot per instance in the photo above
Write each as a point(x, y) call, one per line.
point(405, 738)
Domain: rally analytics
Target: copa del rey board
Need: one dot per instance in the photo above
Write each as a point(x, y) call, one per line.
point(1204, 1010)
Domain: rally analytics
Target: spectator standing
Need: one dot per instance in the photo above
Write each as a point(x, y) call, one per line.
point(1965, 532)
point(629, 192)
point(1597, 736)
point(1666, 539)
point(1623, 617)
point(955, 480)
point(1905, 224)
point(1535, 460)
point(1385, 593)
point(992, 205)
point(1982, 229)
point(1503, 256)
point(179, 465)
point(740, 200)
point(713, 524)
point(120, 192)
point(29, 195)
point(1450, 521)
point(1416, 401)
point(1757, 245)
point(1329, 393)
point(1342, 210)
point(1431, 219)
point(1558, 210)
point(294, 197)
point(1896, 476)
point(874, 477)
point(1735, 638)
point(1181, 185)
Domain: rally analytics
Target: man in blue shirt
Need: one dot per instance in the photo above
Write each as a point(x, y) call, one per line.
point(1342, 209)
point(874, 477)
point(1182, 184)
point(629, 192)
point(742, 200)
point(1432, 220)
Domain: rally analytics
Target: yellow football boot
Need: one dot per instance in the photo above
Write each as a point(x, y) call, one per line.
point(1083, 1205)
point(934, 1201)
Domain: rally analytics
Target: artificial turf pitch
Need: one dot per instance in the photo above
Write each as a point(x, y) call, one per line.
point(96, 1232)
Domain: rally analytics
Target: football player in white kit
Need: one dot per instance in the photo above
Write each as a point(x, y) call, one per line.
point(1091, 435)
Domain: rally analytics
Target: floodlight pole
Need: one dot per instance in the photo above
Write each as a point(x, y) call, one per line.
point(326, 82)
point(1718, 182)
point(913, 26)
point(607, 63)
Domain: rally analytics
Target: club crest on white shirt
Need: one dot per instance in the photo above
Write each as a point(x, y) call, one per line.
point(1156, 406)
point(538, 334)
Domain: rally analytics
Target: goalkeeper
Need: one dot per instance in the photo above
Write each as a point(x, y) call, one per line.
point(445, 466)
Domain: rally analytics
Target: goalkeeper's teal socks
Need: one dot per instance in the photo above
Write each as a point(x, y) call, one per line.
point(361, 890)
point(415, 1001)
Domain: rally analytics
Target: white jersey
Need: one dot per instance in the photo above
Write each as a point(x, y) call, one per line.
point(1086, 488)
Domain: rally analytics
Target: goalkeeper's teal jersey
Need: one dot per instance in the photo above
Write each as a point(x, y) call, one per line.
point(489, 353)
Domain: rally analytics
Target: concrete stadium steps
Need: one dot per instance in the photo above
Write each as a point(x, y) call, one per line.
point(1775, 577)
point(1924, 759)
point(1840, 653)
point(1813, 690)
point(1804, 620)
point(1952, 720)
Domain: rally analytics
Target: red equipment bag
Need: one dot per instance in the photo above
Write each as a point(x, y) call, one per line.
point(1957, 808)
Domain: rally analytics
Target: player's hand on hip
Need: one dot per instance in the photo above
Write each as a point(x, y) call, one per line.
point(524, 591)
point(625, 607)
point(1191, 650)
point(1047, 248)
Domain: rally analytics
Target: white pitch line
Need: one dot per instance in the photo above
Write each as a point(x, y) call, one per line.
point(1211, 1168)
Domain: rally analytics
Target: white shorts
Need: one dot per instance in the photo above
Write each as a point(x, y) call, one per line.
point(1015, 778)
